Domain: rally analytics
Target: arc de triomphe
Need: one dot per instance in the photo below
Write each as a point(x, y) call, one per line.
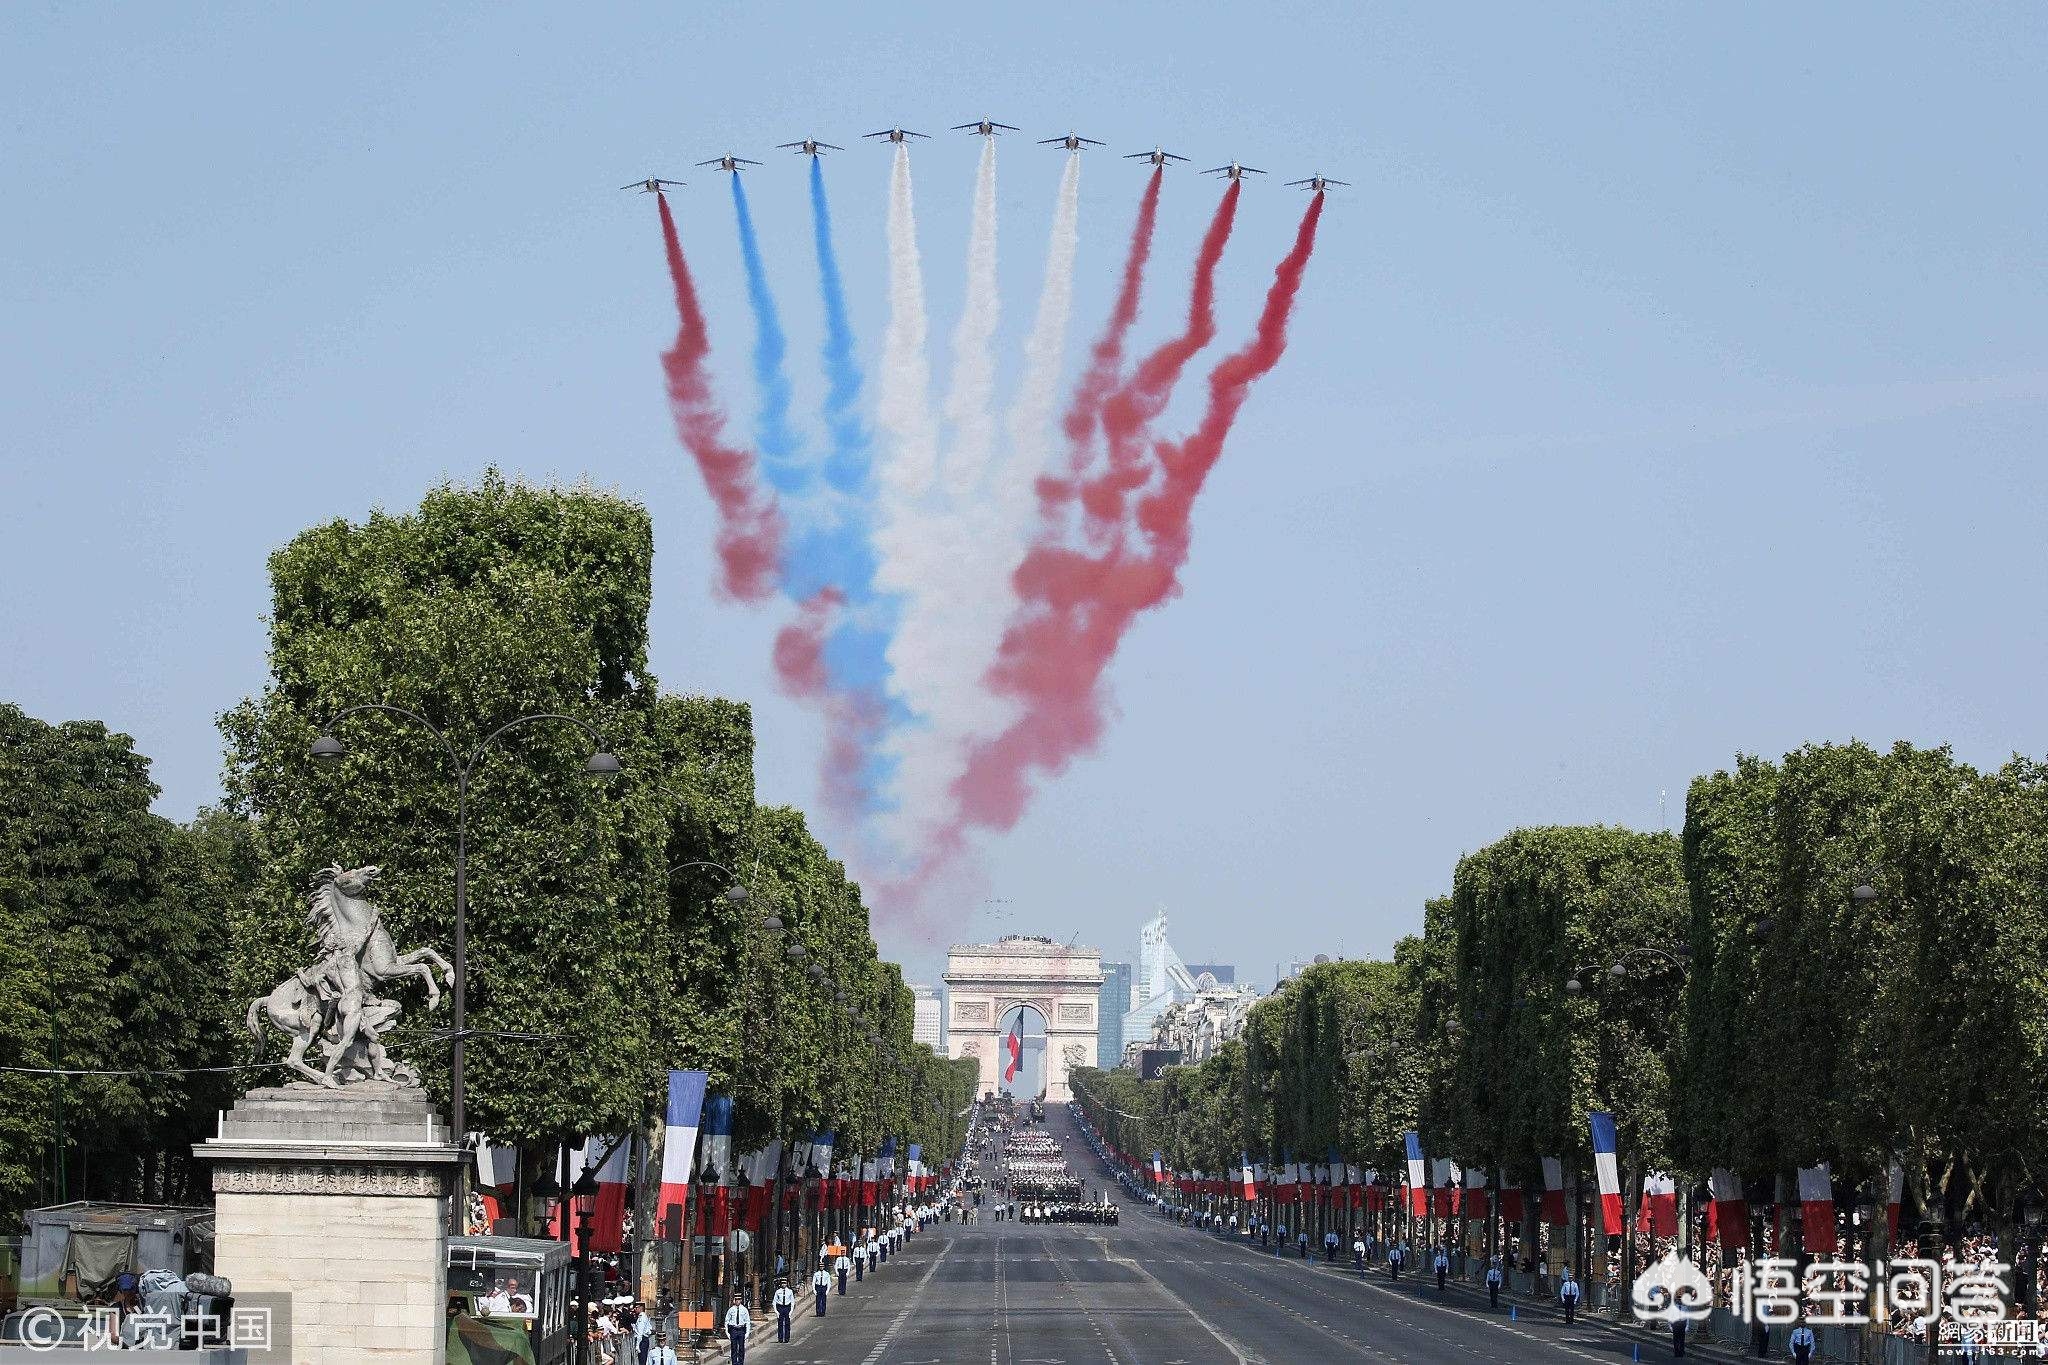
point(984, 981)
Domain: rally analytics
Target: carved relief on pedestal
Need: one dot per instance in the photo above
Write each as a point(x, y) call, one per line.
point(1075, 1055)
point(325, 1179)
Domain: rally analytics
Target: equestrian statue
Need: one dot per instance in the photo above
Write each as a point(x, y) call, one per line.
point(334, 1001)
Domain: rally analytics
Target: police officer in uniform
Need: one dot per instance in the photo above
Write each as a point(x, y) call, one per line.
point(1802, 1344)
point(785, 1304)
point(842, 1265)
point(1330, 1248)
point(1568, 1295)
point(1358, 1255)
point(821, 1283)
point(738, 1323)
point(1493, 1279)
point(1442, 1266)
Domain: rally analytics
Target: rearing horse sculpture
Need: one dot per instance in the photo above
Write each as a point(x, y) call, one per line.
point(332, 1002)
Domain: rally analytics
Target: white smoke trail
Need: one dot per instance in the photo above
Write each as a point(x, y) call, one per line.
point(903, 400)
point(970, 405)
point(984, 537)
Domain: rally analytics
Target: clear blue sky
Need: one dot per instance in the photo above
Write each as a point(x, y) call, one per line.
point(1671, 384)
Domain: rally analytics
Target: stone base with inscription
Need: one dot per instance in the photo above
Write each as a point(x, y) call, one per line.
point(338, 1199)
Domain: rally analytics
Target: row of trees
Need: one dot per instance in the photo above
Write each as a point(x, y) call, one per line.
point(601, 922)
point(1844, 958)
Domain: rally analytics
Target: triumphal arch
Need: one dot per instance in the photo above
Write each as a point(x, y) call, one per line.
point(985, 981)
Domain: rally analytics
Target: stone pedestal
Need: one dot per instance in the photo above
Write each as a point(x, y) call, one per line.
point(338, 1199)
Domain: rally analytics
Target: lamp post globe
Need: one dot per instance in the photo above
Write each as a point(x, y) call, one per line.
point(326, 749)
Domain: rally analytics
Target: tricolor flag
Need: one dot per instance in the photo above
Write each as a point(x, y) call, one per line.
point(1730, 1210)
point(497, 1176)
point(1553, 1191)
point(821, 1153)
point(1157, 1172)
point(869, 1176)
point(1251, 1188)
point(1475, 1194)
point(1605, 1167)
point(1447, 1179)
point(886, 1168)
point(1817, 1207)
point(1418, 1182)
point(1659, 1213)
point(1013, 1051)
point(916, 1171)
point(679, 1149)
point(613, 1157)
point(1510, 1202)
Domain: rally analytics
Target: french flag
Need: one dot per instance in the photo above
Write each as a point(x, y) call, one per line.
point(1251, 1187)
point(497, 1172)
point(718, 1161)
point(679, 1146)
point(1553, 1191)
point(1659, 1213)
point(1157, 1173)
point(1013, 1051)
point(1730, 1209)
point(1446, 1187)
point(916, 1167)
point(1817, 1207)
point(608, 1225)
point(1418, 1181)
point(821, 1153)
point(1475, 1194)
point(1606, 1168)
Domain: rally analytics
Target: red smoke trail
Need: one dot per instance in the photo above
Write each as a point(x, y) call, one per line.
point(1078, 606)
point(852, 720)
point(1133, 407)
point(750, 526)
point(1105, 359)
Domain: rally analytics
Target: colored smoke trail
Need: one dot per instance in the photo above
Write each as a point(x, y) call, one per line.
point(1105, 358)
point(970, 403)
point(853, 716)
point(781, 462)
point(903, 406)
point(1129, 412)
point(1079, 606)
point(750, 526)
point(846, 464)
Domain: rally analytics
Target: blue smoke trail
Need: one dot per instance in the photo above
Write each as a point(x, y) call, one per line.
point(781, 462)
point(841, 552)
point(846, 466)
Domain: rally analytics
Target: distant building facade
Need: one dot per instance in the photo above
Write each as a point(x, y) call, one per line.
point(928, 1025)
point(1224, 972)
point(1116, 1003)
point(1197, 1028)
point(1162, 980)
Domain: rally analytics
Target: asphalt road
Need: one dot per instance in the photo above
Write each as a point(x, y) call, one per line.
point(1148, 1292)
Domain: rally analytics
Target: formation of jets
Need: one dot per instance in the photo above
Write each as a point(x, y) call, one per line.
point(982, 127)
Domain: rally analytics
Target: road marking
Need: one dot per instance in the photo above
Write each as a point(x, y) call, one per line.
point(910, 1307)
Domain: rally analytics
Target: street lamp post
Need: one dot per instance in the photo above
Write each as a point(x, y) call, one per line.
point(601, 763)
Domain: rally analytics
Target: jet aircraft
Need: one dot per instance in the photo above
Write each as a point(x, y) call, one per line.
point(898, 134)
point(1233, 171)
point(1073, 142)
point(653, 185)
point(1318, 183)
point(1158, 156)
point(985, 127)
point(729, 162)
point(809, 146)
